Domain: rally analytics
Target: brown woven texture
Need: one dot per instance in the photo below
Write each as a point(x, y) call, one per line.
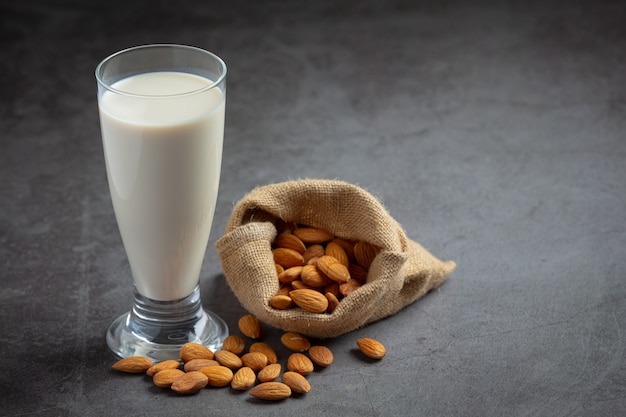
point(400, 274)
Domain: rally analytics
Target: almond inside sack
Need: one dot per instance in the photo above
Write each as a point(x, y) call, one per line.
point(402, 272)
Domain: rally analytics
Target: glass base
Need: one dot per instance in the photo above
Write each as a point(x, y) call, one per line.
point(158, 329)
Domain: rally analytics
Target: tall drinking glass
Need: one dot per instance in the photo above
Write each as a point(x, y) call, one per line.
point(162, 121)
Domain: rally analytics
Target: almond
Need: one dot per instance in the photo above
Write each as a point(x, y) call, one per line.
point(314, 277)
point(279, 269)
point(168, 364)
point(290, 274)
point(250, 326)
point(271, 391)
point(309, 300)
point(234, 344)
point(313, 251)
point(321, 355)
point(228, 359)
point(357, 272)
point(333, 268)
point(265, 349)
point(364, 253)
point(313, 235)
point(347, 246)
point(133, 365)
point(296, 382)
point(298, 362)
point(197, 364)
point(281, 302)
point(346, 288)
point(333, 302)
point(299, 285)
point(243, 379)
point(193, 350)
point(295, 342)
point(217, 376)
point(289, 241)
point(336, 251)
point(269, 373)
point(287, 257)
point(285, 289)
point(190, 382)
point(166, 377)
point(371, 348)
point(254, 360)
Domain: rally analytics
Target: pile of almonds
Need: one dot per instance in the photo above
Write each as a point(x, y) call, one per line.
point(317, 269)
point(257, 370)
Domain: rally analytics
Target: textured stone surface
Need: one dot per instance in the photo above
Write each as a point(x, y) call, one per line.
point(494, 132)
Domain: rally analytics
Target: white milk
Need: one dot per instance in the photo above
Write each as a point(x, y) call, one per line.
point(163, 158)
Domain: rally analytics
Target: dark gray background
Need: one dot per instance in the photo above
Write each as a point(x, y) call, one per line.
point(494, 132)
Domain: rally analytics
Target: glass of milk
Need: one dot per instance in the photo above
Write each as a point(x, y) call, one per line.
point(162, 121)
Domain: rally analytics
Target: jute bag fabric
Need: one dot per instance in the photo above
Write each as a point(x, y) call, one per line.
point(401, 273)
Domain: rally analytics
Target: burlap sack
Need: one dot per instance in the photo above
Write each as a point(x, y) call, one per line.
point(400, 274)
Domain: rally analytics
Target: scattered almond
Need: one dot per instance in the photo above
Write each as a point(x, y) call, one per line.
point(271, 391)
point(166, 377)
point(167, 364)
point(265, 349)
point(133, 365)
point(197, 364)
point(296, 382)
point(250, 326)
point(254, 360)
point(190, 382)
point(298, 362)
point(228, 359)
point(295, 342)
point(235, 344)
point(321, 355)
point(243, 379)
point(269, 373)
point(217, 376)
point(371, 348)
point(193, 350)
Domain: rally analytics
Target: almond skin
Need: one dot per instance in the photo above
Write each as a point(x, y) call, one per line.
point(254, 360)
point(371, 348)
point(217, 376)
point(166, 377)
point(168, 364)
point(243, 379)
point(290, 274)
point(271, 391)
point(313, 235)
point(296, 382)
point(298, 362)
point(269, 373)
point(133, 365)
point(189, 383)
point(193, 350)
point(265, 349)
point(250, 326)
point(333, 269)
point(228, 359)
point(287, 258)
point(321, 355)
point(295, 342)
point(234, 344)
point(309, 300)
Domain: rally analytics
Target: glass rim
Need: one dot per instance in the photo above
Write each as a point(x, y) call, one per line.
point(210, 86)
